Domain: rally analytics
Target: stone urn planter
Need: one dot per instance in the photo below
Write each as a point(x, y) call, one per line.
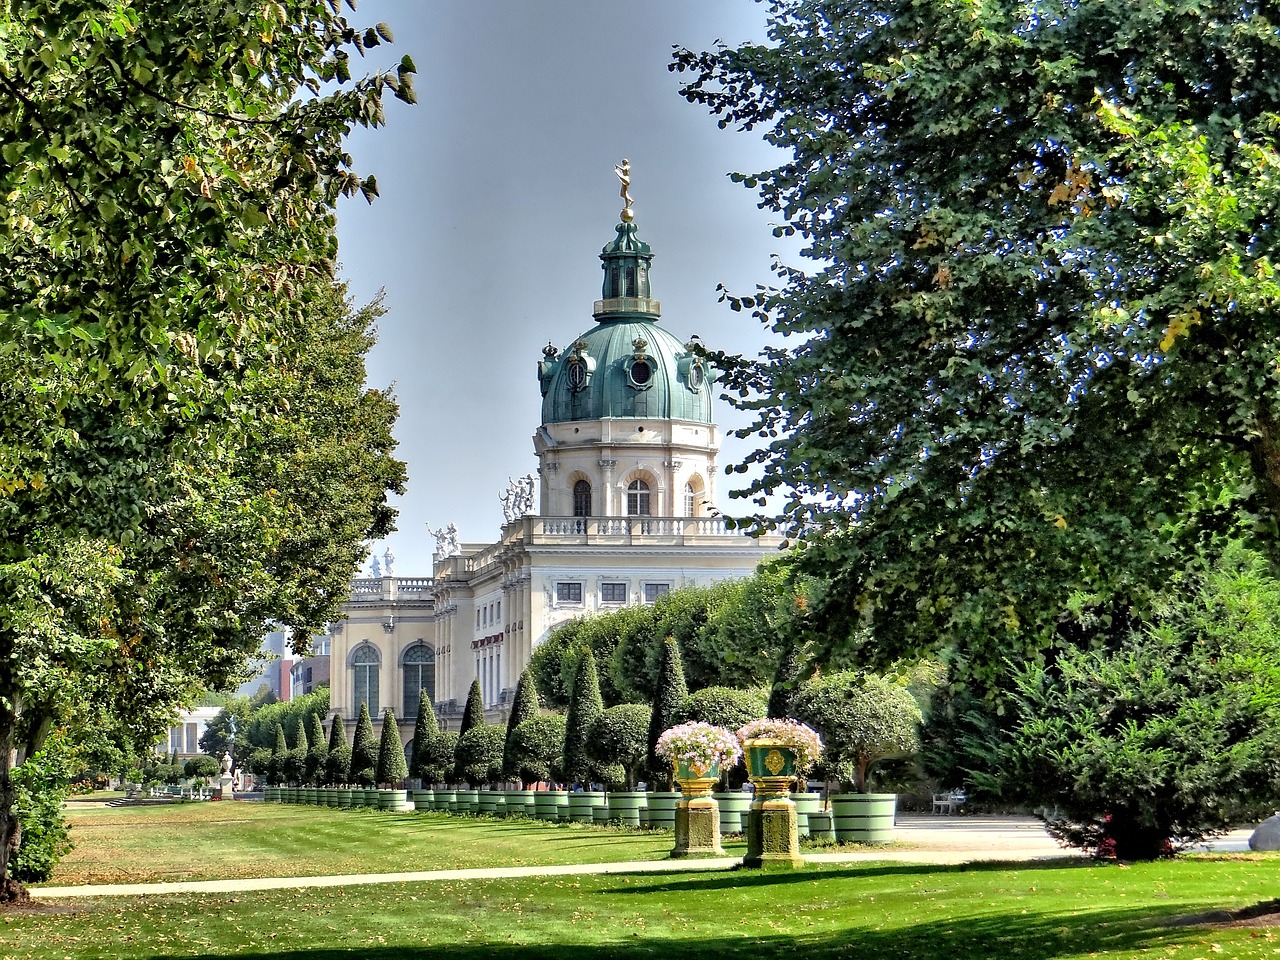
point(777, 752)
point(696, 752)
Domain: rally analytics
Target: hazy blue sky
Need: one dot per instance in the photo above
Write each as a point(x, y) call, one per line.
point(498, 192)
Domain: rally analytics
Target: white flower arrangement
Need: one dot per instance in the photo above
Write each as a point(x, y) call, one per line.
point(801, 738)
point(699, 746)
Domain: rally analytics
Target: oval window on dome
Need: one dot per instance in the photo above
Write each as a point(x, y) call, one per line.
point(697, 377)
point(640, 373)
point(577, 376)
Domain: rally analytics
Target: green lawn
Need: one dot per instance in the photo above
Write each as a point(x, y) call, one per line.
point(207, 841)
point(1057, 910)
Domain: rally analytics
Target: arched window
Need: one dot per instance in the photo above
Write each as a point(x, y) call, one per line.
point(582, 499)
point(638, 499)
point(364, 678)
point(419, 663)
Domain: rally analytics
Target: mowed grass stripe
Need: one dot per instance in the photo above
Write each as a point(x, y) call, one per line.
point(212, 841)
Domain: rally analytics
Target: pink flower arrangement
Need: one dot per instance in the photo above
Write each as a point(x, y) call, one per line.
point(699, 746)
point(800, 737)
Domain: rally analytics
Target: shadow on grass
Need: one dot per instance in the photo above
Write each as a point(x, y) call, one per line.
point(1029, 936)
point(738, 878)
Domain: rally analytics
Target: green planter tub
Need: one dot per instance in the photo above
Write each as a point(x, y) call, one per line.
point(486, 803)
point(806, 803)
point(582, 803)
point(446, 801)
point(624, 806)
point(863, 817)
point(547, 804)
point(734, 805)
point(468, 800)
point(820, 826)
point(424, 800)
point(662, 809)
point(344, 798)
point(520, 803)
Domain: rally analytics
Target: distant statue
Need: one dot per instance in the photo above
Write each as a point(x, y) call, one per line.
point(509, 500)
point(389, 562)
point(527, 487)
point(376, 567)
point(231, 722)
point(447, 541)
point(623, 170)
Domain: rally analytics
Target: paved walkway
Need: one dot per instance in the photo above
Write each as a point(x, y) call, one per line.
point(920, 839)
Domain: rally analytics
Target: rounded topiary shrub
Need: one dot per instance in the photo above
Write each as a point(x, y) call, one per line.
point(863, 719)
point(728, 707)
point(538, 747)
point(619, 744)
point(478, 755)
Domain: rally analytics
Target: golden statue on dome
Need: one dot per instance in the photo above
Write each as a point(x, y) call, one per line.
point(623, 170)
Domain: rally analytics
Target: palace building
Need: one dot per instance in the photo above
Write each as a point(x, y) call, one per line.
point(626, 451)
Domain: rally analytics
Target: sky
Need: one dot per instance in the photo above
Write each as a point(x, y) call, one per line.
point(498, 193)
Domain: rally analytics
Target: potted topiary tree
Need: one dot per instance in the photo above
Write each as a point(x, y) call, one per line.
point(619, 746)
point(586, 706)
point(524, 706)
point(364, 759)
point(539, 754)
point(337, 766)
point(392, 768)
point(863, 719)
point(478, 758)
point(668, 706)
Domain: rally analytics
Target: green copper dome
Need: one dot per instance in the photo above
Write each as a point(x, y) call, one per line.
point(626, 365)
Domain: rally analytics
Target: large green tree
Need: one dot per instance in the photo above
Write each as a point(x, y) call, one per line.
point(585, 707)
point(170, 172)
point(1033, 355)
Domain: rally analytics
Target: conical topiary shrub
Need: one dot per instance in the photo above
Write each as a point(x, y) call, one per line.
point(279, 758)
point(585, 707)
point(364, 752)
point(524, 707)
point(319, 752)
point(473, 712)
point(392, 768)
point(425, 729)
point(338, 764)
point(667, 706)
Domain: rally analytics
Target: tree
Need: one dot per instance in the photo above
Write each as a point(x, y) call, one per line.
point(433, 751)
point(524, 707)
point(1166, 738)
point(619, 744)
point(295, 762)
point(478, 754)
point(1033, 363)
point(473, 712)
point(364, 751)
point(539, 749)
point(725, 706)
point(318, 755)
point(585, 708)
point(667, 707)
point(338, 765)
point(392, 768)
point(170, 182)
point(278, 767)
point(216, 739)
point(862, 718)
point(201, 768)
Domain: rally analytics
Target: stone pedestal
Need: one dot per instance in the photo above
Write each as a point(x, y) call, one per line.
point(772, 836)
point(226, 786)
point(697, 828)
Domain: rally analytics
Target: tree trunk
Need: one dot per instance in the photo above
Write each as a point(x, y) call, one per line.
point(10, 829)
point(1265, 458)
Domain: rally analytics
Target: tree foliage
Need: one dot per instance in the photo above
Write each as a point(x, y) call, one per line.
point(1169, 736)
point(337, 767)
point(863, 719)
point(392, 768)
point(538, 744)
point(318, 754)
point(1032, 359)
point(364, 750)
point(585, 707)
point(667, 707)
point(473, 711)
point(478, 754)
point(170, 173)
point(619, 744)
point(725, 706)
point(524, 706)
